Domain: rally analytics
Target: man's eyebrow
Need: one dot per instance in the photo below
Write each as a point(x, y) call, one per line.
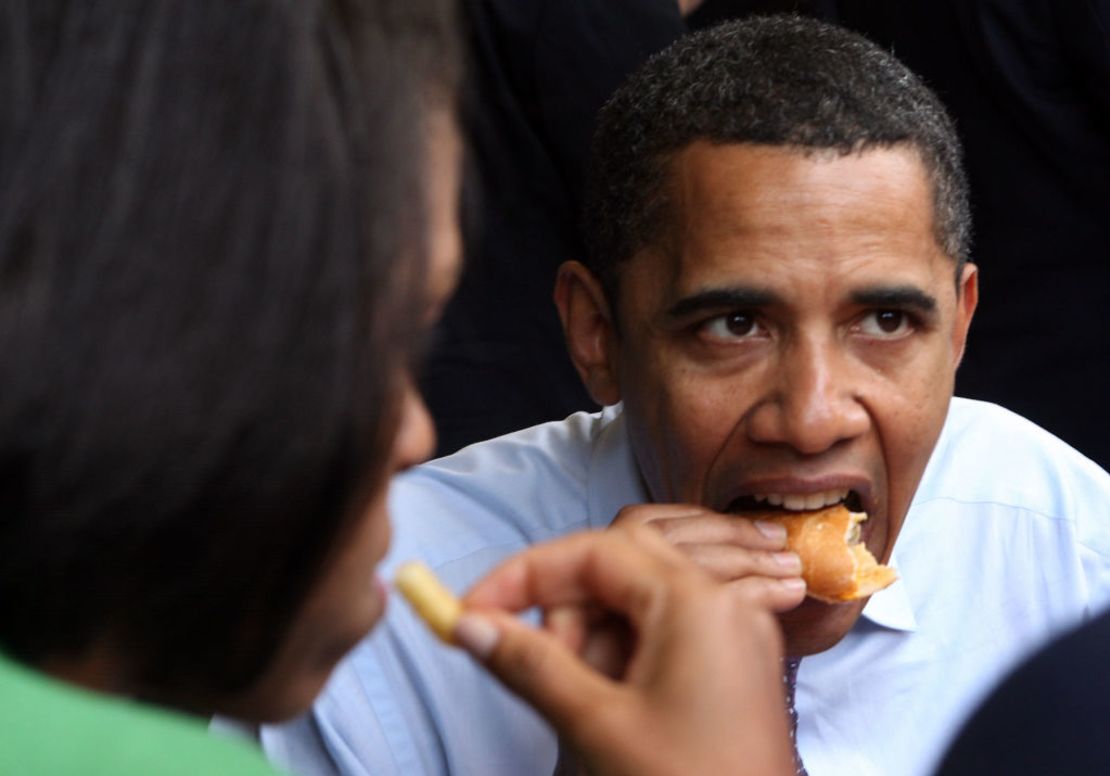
point(721, 298)
point(895, 296)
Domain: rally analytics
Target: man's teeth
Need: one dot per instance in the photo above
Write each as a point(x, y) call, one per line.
point(798, 501)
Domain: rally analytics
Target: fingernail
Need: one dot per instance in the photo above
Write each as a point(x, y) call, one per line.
point(788, 561)
point(477, 635)
point(771, 530)
point(794, 584)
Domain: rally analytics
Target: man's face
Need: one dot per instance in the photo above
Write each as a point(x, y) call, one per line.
point(793, 338)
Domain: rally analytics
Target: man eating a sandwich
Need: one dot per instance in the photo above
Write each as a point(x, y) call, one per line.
point(775, 298)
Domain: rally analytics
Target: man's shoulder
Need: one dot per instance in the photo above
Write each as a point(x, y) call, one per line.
point(519, 488)
point(988, 454)
point(535, 450)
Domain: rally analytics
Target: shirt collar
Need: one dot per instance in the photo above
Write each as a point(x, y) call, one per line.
point(614, 482)
point(891, 608)
point(614, 479)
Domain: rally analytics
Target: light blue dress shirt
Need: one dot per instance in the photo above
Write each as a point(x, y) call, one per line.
point(1007, 542)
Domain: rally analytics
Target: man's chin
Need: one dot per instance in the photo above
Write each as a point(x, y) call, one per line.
point(815, 626)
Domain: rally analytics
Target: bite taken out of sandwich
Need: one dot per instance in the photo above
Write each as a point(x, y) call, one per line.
point(836, 566)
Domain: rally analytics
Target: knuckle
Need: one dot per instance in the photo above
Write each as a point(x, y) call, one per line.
point(669, 552)
point(712, 564)
point(593, 724)
point(524, 659)
point(654, 536)
point(638, 533)
point(742, 604)
point(751, 591)
point(666, 528)
point(633, 514)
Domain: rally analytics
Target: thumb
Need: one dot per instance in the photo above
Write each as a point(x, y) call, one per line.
point(536, 666)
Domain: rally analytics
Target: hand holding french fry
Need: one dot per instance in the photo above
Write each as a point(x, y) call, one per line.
point(699, 688)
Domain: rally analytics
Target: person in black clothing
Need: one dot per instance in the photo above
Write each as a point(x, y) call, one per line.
point(539, 73)
point(1029, 86)
point(1050, 716)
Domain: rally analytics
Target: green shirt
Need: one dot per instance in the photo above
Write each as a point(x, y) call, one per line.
point(50, 727)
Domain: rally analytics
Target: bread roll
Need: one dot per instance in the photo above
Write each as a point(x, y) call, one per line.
point(836, 566)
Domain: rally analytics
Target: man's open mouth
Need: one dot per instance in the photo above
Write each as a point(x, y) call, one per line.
point(796, 502)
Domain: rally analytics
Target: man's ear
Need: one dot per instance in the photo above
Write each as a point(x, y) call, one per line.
point(967, 299)
point(589, 330)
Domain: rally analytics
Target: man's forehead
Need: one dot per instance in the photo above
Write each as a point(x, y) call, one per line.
point(713, 190)
point(738, 173)
point(755, 213)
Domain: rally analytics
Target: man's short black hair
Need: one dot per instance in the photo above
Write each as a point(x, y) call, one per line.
point(210, 230)
point(775, 80)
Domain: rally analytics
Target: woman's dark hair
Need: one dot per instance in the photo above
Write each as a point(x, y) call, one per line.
point(211, 231)
point(775, 80)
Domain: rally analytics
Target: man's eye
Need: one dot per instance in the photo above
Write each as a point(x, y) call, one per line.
point(886, 323)
point(731, 326)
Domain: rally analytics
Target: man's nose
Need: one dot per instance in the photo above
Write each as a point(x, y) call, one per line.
point(813, 403)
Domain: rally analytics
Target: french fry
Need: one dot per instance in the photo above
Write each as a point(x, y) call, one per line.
point(435, 604)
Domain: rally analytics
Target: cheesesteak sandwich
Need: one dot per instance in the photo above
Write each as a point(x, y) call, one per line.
point(836, 565)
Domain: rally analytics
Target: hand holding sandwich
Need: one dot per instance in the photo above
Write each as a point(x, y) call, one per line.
point(822, 546)
point(751, 555)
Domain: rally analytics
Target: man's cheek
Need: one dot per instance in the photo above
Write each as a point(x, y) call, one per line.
point(710, 417)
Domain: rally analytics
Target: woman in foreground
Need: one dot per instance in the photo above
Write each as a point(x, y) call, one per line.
point(224, 226)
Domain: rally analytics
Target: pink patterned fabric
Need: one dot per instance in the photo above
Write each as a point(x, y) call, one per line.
point(789, 679)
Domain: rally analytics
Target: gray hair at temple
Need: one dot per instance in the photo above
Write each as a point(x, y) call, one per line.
point(775, 80)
